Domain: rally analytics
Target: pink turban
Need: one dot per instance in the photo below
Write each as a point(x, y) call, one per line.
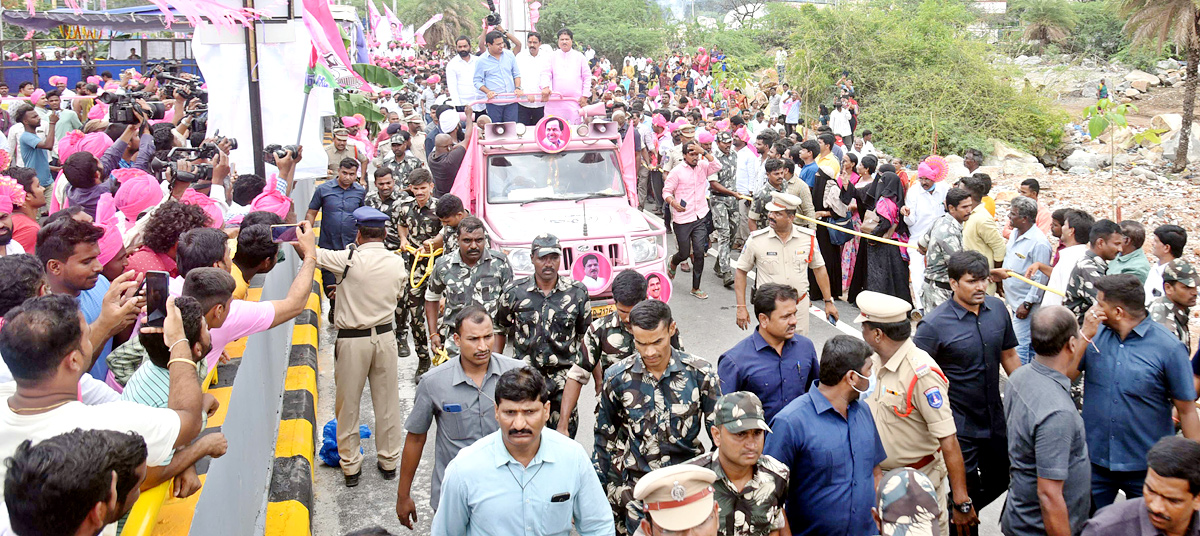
point(270, 200)
point(37, 95)
point(433, 79)
point(933, 168)
point(95, 80)
point(350, 121)
point(722, 125)
point(659, 121)
point(361, 120)
point(705, 137)
point(98, 111)
point(55, 80)
point(612, 86)
point(652, 93)
point(111, 243)
point(139, 191)
point(216, 217)
point(12, 194)
point(75, 141)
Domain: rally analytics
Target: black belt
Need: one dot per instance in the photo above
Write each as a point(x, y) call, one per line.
point(938, 284)
point(358, 333)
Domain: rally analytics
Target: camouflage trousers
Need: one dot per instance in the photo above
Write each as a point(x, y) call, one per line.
point(933, 296)
point(410, 316)
point(556, 381)
point(725, 217)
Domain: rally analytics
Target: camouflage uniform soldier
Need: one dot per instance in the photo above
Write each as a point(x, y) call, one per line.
point(388, 199)
point(401, 163)
point(546, 315)
point(777, 182)
point(756, 507)
point(450, 212)
point(1081, 287)
point(473, 275)
point(944, 239)
point(653, 406)
point(419, 225)
point(1172, 309)
point(723, 203)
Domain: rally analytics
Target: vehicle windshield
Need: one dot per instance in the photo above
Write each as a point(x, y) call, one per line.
point(516, 178)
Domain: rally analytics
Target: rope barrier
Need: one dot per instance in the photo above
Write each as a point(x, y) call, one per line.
point(855, 233)
point(418, 254)
point(1020, 277)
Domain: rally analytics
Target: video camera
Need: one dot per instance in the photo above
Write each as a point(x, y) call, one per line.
point(122, 108)
point(273, 151)
point(493, 17)
point(173, 86)
point(200, 172)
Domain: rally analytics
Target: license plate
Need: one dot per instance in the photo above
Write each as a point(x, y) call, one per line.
point(601, 310)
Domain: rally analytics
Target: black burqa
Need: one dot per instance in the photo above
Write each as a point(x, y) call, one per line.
point(881, 267)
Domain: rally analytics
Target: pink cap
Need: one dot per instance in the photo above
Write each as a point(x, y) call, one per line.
point(653, 92)
point(270, 200)
point(705, 137)
point(138, 192)
point(215, 216)
point(350, 121)
point(37, 95)
point(111, 243)
point(11, 194)
point(56, 80)
point(95, 80)
point(433, 79)
point(722, 125)
point(659, 121)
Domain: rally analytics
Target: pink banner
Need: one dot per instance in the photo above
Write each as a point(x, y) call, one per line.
point(472, 166)
point(328, 42)
point(420, 37)
point(629, 166)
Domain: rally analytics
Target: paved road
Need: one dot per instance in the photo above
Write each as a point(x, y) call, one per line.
point(707, 328)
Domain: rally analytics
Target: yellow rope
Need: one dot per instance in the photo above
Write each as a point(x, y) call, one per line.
point(1035, 283)
point(855, 233)
point(418, 254)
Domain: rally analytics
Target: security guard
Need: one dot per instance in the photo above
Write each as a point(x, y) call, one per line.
point(371, 280)
point(1174, 306)
point(419, 226)
point(782, 253)
point(472, 275)
point(678, 498)
point(910, 407)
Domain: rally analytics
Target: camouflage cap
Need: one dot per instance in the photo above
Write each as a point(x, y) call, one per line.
point(1179, 270)
point(740, 411)
point(724, 137)
point(908, 504)
point(545, 244)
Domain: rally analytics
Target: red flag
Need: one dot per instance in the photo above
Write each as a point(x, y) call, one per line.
point(628, 160)
point(472, 166)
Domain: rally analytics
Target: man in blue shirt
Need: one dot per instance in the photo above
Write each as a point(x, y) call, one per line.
point(774, 362)
point(808, 159)
point(522, 478)
point(1027, 245)
point(828, 440)
point(497, 72)
point(69, 249)
point(35, 150)
point(337, 200)
point(1135, 373)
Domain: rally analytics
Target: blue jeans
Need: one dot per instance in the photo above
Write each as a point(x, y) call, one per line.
point(1106, 483)
point(502, 113)
point(1021, 326)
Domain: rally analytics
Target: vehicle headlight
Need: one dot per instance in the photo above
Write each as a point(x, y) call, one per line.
point(519, 259)
point(645, 249)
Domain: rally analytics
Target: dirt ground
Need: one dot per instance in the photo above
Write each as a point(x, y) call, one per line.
point(1158, 101)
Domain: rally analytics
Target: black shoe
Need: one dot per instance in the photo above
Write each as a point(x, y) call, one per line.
point(728, 282)
point(352, 480)
point(388, 474)
point(403, 346)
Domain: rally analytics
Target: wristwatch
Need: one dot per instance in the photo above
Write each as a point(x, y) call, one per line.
point(964, 507)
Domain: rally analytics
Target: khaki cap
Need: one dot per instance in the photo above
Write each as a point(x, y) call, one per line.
point(341, 133)
point(881, 308)
point(678, 497)
point(783, 201)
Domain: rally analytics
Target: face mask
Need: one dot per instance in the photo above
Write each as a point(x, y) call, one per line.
point(870, 384)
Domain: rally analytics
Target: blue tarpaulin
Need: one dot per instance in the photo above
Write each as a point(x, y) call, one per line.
point(124, 20)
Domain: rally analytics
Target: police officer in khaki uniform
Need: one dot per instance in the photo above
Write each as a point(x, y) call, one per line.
point(782, 253)
point(679, 499)
point(910, 407)
point(371, 280)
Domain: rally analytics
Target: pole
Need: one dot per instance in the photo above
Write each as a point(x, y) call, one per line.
point(303, 110)
point(256, 134)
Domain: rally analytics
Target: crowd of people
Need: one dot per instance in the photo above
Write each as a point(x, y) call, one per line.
point(901, 429)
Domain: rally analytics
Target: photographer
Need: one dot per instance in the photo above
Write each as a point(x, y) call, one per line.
point(135, 147)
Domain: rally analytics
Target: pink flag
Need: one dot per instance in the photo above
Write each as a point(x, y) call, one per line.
point(472, 166)
point(328, 42)
point(395, 22)
point(373, 16)
point(629, 166)
point(421, 31)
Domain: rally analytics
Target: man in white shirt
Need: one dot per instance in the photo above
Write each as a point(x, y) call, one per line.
point(867, 147)
point(839, 122)
point(923, 205)
point(749, 178)
point(1076, 227)
point(780, 62)
point(534, 65)
point(460, 73)
point(45, 342)
point(1167, 245)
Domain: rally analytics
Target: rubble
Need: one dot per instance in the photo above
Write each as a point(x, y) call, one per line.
point(1011, 160)
point(1138, 75)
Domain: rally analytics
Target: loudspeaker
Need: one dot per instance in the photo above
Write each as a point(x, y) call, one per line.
point(500, 131)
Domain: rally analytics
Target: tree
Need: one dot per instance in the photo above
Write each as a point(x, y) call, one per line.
point(614, 28)
point(459, 17)
point(1177, 21)
point(1046, 21)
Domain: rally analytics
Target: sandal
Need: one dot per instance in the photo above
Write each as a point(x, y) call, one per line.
point(686, 266)
point(671, 270)
point(699, 294)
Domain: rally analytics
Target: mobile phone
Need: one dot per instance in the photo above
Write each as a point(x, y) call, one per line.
point(284, 233)
point(156, 298)
point(831, 319)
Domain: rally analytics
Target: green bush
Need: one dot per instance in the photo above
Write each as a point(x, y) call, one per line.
point(1098, 30)
point(614, 28)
